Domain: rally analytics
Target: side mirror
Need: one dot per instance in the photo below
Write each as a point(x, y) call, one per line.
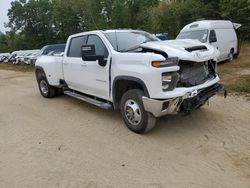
point(89, 54)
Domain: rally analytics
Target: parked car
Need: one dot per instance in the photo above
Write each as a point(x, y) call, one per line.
point(19, 58)
point(4, 57)
point(30, 57)
point(134, 72)
point(162, 36)
point(54, 48)
point(23, 57)
point(219, 33)
point(12, 57)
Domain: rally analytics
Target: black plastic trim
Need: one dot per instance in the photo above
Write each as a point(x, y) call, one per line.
point(197, 101)
point(41, 69)
point(110, 66)
point(174, 81)
point(128, 78)
point(195, 48)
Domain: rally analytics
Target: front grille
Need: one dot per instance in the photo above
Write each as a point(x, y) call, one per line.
point(195, 73)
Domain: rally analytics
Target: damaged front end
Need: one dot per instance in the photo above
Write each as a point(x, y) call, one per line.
point(197, 82)
point(201, 98)
point(186, 103)
point(195, 73)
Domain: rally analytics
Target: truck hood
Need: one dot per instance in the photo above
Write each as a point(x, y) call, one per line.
point(184, 49)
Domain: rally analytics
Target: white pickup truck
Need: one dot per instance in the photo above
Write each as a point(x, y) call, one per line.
point(134, 72)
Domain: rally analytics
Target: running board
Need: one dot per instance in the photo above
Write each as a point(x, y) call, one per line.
point(95, 102)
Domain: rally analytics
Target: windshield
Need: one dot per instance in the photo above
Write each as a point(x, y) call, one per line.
point(128, 40)
point(200, 35)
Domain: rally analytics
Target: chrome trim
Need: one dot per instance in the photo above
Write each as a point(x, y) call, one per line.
point(44, 87)
point(82, 97)
point(132, 112)
point(155, 106)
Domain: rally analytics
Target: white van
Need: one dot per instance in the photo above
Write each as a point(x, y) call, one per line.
point(219, 33)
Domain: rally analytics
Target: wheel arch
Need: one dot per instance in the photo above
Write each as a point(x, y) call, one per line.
point(122, 84)
point(38, 71)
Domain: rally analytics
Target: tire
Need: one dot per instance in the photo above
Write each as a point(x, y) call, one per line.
point(46, 90)
point(231, 55)
point(59, 91)
point(134, 115)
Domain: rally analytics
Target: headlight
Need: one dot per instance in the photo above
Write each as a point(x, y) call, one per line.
point(169, 80)
point(166, 80)
point(168, 62)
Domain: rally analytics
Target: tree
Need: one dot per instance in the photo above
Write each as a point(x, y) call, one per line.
point(3, 43)
point(65, 19)
point(35, 23)
point(33, 20)
point(237, 11)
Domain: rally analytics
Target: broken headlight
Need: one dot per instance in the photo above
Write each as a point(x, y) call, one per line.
point(166, 81)
point(169, 81)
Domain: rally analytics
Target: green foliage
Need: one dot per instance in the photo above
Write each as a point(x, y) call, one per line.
point(35, 23)
point(65, 22)
point(237, 11)
point(3, 43)
point(171, 16)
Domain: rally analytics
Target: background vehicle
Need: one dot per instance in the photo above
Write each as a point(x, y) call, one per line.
point(22, 56)
point(162, 36)
point(30, 57)
point(13, 57)
point(4, 57)
point(134, 72)
point(54, 48)
point(219, 33)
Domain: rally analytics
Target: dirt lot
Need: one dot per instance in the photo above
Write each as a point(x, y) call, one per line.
point(65, 143)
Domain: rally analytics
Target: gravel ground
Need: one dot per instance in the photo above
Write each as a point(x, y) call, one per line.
point(66, 143)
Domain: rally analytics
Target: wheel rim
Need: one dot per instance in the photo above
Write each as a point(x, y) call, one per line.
point(132, 112)
point(231, 56)
point(44, 87)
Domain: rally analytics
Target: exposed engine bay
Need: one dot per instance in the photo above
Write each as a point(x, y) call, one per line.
point(191, 73)
point(195, 73)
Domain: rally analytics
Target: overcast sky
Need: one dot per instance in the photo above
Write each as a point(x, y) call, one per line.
point(4, 6)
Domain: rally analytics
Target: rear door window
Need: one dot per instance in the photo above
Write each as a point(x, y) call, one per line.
point(75, 46)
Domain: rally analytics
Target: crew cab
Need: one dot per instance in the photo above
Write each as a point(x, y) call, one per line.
point(134, 72)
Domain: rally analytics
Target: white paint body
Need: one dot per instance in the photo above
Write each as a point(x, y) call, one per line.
point(90, 78)
point(225, 32)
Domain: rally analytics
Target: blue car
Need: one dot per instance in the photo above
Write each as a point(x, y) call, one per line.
point(162, 36)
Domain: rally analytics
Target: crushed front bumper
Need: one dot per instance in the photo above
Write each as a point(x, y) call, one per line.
point(186, 103)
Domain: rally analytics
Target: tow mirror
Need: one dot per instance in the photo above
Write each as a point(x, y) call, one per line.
point(89, 54)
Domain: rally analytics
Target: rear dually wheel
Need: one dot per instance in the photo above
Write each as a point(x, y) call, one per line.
point(46, 90)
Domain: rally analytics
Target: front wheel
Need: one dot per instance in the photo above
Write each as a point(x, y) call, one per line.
point(134, 115)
